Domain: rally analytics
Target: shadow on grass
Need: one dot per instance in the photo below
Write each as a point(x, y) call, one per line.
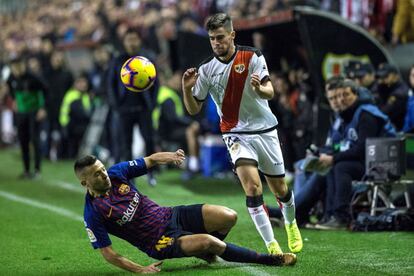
point(93, 273)
point(207, 267)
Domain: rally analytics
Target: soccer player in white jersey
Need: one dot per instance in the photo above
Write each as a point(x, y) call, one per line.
point(238, 80)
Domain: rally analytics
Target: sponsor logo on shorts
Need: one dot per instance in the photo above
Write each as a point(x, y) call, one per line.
point(91, 236)
point(235, 148)
point(164, 242)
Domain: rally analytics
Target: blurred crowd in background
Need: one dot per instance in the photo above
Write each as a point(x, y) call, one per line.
point(42, 45)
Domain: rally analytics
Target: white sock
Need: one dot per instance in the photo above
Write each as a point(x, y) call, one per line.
point(193, 163)
point(262, 222)
point(288, 210)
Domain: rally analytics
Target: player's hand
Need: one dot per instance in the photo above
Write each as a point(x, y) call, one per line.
point(326, 160)
point(189, 78)
point(152, 268)
point(180, 157)
point(255, 81)
point(41, 114)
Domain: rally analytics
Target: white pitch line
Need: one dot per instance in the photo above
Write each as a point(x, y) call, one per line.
point(255, 271)
point(67, 186)
point(41, 205)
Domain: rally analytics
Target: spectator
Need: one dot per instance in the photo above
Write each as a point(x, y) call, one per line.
point(4, 92)
point(330, 5)
point(128, 108)
point(392, 94)
point(310, 187)
point(100, 70)
point(301, 107)
point(409, 116)
point(171, 123)
point(355, 11)
point(59, 81)
point(29, 95)
point(360, 121)
point(403, 25)
point(380, 21)
point(363, 74)
point(75, 113)
point(282, 110)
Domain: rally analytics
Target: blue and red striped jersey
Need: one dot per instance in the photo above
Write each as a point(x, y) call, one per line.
point(125, 212)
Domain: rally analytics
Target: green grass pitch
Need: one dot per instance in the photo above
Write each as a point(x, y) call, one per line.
point(42, 232)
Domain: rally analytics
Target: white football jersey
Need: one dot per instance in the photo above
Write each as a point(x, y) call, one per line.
point(241, 110)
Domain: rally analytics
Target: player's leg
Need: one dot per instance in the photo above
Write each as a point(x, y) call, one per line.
point(250, 180)
point(35, 134)
point(244, 158)
point(200, 245)
point(218, 220)
point(286, 201)
point(272, 166)
point(147, 131)
point(23, 134)
point(126, 138)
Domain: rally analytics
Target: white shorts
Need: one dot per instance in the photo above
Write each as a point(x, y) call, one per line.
point(263, 148)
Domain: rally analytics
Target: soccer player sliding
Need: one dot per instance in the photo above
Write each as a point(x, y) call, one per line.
point(113, 205)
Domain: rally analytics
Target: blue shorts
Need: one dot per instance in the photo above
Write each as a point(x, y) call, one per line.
point(185, 220)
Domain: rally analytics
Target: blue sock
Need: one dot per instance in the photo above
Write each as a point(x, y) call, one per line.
point(234, 253)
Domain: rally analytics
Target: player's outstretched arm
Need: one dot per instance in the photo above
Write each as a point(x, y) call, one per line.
point(114, 258)
point(160, 158)
point(264, 90)
point(188, 81)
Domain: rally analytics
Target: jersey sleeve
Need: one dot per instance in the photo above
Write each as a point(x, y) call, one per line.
point(128, 169)
point(201, 87)
point(96, 231)
point(259, 66)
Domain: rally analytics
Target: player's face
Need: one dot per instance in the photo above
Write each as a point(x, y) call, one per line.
point(96, 178)
point(222, 42)
point(346, 98)
point(367, 80)
point(132, 43)
point(18, 68)
point(333, 99)
point(388, 80)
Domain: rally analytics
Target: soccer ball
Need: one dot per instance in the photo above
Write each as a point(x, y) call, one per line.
point(138, 74)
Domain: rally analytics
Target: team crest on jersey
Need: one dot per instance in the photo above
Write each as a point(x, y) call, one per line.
point(91, 236)
point(124, 189)
point(239, 68)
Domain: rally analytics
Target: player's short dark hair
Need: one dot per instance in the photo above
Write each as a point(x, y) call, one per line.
point(348, 83)
point(334, 82)
point(84, 162)
point(219, 20)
